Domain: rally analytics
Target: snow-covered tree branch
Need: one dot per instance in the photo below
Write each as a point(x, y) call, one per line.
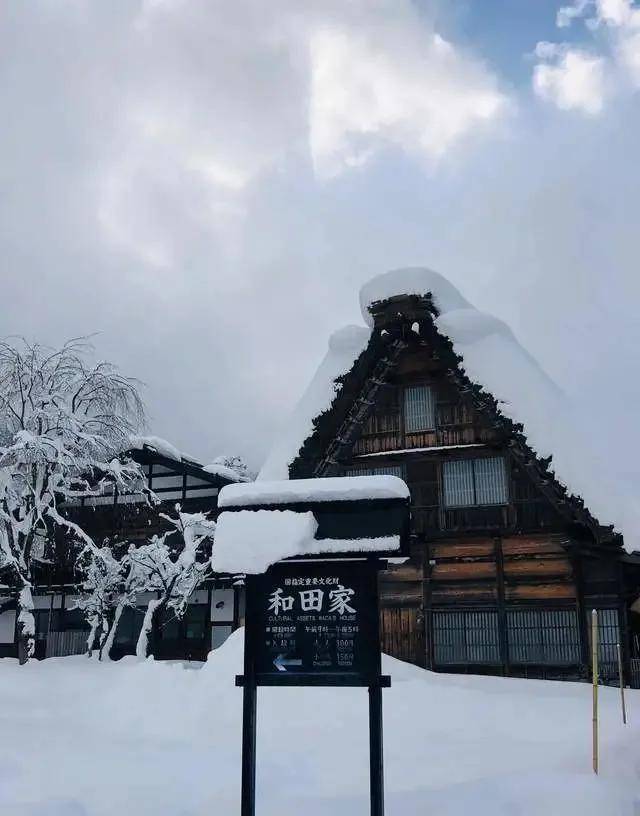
point(108, 592)
point(172, 565)
point(63, 426)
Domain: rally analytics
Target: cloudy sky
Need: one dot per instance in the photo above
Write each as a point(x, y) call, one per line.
point(207, 184)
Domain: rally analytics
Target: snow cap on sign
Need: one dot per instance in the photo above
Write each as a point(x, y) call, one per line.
point(296, 491)
point(250, 541)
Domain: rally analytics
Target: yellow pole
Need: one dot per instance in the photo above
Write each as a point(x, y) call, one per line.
point(621, 678)
point(594, 674)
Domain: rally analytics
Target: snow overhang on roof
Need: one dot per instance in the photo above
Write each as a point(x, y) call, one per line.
point(158, 445)
point(492, 359)
point(263, 523)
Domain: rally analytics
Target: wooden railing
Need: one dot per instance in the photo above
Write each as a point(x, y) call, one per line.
point(525, 516)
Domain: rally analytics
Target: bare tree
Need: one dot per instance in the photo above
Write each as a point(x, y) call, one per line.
point(64, 424)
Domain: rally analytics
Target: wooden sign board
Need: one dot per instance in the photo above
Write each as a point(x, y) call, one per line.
point(314, 623)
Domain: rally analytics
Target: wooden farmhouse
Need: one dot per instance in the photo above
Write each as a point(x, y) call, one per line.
point(214, 609)
point(506, 563)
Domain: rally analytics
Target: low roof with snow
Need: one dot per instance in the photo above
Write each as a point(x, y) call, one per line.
point(156, 446)
point(491, 358)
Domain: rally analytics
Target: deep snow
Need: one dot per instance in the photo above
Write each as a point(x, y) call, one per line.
point(159, 739)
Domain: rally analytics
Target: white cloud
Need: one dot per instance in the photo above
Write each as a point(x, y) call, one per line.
point(628, 50)
point(157, 187)
point(376, 85)
point(574, 81)
point(567, 14)
point(614, 12)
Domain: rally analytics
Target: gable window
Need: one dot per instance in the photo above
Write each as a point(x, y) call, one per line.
point(419, 409)
point(469, 482)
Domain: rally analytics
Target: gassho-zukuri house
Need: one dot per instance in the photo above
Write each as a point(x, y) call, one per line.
point(516, 531)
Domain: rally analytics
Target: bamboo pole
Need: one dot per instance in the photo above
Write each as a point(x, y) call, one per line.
point(621, 678)
point(594, 675)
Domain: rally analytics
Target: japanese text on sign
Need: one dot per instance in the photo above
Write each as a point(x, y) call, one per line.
point(313, 600)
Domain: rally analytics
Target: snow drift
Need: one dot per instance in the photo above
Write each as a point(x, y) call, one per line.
point(81, 738)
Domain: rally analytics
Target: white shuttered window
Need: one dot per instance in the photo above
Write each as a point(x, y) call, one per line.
point(468, 482)
point(457, 483)
point(419, 409)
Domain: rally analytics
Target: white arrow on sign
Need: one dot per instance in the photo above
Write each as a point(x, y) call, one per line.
point(281, 663)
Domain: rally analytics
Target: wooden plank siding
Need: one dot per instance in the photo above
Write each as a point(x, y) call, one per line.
point(492, 573)
point(402, 634)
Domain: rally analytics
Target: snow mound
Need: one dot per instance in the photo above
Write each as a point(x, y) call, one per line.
point(251, 540)
point(413, 280)
point(345, 346)
point(153, 738)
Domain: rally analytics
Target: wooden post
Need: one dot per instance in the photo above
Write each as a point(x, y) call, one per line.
point(594, 675)
point(376, 772)
point(248, 798)
point(621, 678)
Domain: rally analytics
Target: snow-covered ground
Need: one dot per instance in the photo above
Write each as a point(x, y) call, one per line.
point(142, 738)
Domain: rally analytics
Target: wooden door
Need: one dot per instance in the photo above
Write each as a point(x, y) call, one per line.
point(402, 633)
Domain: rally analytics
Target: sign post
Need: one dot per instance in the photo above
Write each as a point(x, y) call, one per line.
point(313, 623)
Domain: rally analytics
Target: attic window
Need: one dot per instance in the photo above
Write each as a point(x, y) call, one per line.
point(469, 482)
point(419, 408)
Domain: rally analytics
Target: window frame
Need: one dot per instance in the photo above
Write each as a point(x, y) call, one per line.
point(534, 639)
point(405, 388)
point(472, 461)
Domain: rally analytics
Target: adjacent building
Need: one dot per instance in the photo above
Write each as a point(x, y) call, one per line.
point(215, 608)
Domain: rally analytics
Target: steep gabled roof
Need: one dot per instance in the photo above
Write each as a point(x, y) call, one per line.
point(484, 361)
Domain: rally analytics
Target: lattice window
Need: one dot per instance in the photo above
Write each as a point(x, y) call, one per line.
point(543, 636)
point(608, 638)
point(469, 482)
point(469, 636)
point(419, 408)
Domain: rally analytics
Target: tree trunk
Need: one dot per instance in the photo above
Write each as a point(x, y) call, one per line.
point(91, 638)
point(150, 626)
point(105, 649)
point(26, 625)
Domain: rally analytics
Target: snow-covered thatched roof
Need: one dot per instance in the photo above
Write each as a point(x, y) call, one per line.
point(493, 359)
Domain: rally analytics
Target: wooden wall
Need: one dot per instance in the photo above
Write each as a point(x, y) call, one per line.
point(479, 572)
